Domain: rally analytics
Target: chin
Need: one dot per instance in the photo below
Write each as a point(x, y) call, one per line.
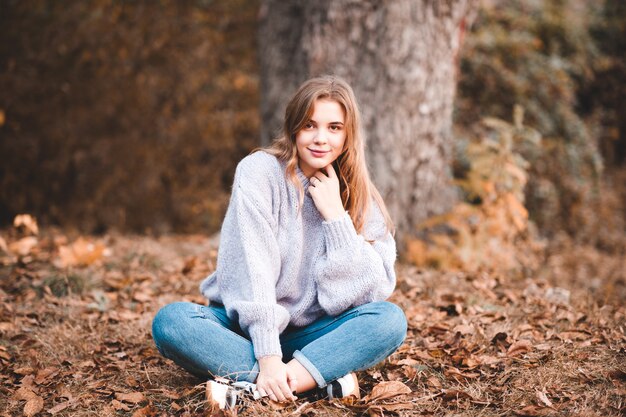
point(317, 163)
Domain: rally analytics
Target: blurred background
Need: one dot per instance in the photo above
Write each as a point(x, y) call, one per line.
point(132, 115)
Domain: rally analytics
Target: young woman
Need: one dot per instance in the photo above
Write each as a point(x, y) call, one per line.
point(306, 260)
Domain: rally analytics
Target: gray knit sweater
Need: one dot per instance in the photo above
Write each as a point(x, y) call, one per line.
point(277, 266)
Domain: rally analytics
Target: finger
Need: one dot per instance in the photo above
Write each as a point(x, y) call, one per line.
point(283, 385)
point(330, 170)
point(261, 391)
point(292, 380)
point(285, 390)
point(319, 175)
point(277, 392)
point(270, 394)
point(293, 387)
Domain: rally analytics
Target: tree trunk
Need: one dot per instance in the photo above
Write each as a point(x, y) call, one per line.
point(400, 58)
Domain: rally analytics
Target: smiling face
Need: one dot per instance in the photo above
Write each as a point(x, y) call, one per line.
point(321, 139)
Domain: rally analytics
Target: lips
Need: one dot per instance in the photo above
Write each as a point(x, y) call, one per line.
point(318, 153)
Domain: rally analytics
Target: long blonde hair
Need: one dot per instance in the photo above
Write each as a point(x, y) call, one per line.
point(355, 184)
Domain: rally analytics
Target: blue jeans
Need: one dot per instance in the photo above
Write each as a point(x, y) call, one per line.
point(205, 342)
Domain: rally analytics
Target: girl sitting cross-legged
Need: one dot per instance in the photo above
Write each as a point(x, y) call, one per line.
point(305, 264)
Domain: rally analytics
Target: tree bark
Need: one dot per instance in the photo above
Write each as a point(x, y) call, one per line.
point(400, 58)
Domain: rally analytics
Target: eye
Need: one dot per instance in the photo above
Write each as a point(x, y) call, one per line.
point(335, 128)
point(308, 125)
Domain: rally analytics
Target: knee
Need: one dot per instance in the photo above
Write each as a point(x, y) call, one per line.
point(392, 323)
point(167, 320)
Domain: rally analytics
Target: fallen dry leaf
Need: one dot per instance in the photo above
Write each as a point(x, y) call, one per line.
point(80, 253)
point(434, 381)
point(543, 398)
point(458, 375)
point(3, 245)
point(393, 407)
point(130, 397)
point(302, 408)
point(454, 394)
point(172, 395)
point(519, 348)
point(147, 411)
point(574, 335)
point(33, 406)
point(26, 370)
point(190, 264)
point(44, 375)
point(24, 393)
point(617, 374)
point(488, 359)
point(463, 329)
point(532, 411)
point(387, 389)
point(59, 407)
point(26, 221)
point(408, 362)
point(142, 297)
point(23, 246)
point(119, 405)
point(422, 355)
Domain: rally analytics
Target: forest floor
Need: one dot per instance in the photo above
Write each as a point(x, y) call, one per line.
point(75, 338)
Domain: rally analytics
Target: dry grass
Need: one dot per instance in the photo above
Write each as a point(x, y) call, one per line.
point(478, 345)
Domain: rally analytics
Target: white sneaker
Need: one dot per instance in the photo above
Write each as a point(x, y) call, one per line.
point(226, 395)
point(346, 386)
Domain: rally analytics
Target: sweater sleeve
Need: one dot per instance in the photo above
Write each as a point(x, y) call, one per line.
point(249, 262)
point(355, 271)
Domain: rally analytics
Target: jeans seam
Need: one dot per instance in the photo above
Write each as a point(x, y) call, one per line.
point(203, 315)
point(384, 356)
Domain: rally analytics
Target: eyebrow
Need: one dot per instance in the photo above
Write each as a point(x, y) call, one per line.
point(331, 123)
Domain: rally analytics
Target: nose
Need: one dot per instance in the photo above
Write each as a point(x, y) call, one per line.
point(321, 136)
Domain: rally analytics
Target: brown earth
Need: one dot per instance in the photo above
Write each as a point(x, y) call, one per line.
point(75, 334)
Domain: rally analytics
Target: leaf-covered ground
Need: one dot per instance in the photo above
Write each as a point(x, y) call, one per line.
point(75, 334)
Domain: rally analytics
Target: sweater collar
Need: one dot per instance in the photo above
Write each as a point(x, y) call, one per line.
point(304, 180)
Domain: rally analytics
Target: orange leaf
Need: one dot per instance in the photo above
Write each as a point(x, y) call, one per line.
point(454, 394)
point(26, 221)
point(532, 411)
point(147, 411)
point(119, 405)
point(33, 406)
point(131, 397)
point(408, 362)
point(519, 348)
point(59, 407)
point(387, 389)
point(81, 252)
point(3, 245)
point(23, 246)
point(24, 394)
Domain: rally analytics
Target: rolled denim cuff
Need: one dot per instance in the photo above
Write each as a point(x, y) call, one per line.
point(308, 365)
